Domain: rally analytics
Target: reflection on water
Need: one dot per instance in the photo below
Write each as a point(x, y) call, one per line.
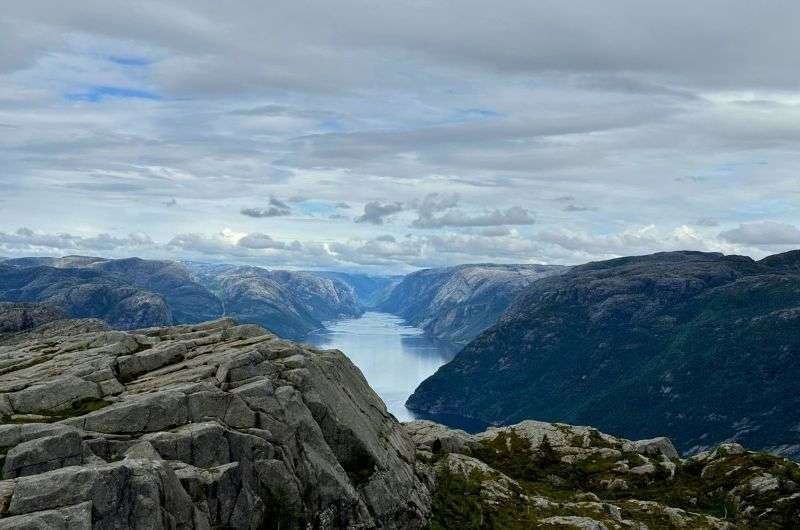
point(394, 358)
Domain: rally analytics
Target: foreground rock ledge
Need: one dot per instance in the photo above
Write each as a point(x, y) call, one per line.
point(214, 425)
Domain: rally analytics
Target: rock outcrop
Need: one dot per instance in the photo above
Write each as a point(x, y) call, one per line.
point(456, 304)
point(214, 425)
point(551, 475)
point(700, 347)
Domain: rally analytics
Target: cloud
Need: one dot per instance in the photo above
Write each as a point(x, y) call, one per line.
point(263, 241)
point(376, 212)
point(277, 203)
point(763, 233)
point(495, 231)
point(457, 128)
point(576, 208)
point(706, 221)
point(26, 239)
point(514, 215)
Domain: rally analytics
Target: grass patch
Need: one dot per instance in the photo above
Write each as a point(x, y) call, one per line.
point(79, 407)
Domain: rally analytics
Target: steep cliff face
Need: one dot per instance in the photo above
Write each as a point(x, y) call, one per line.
point(206, 426)
point(456, 304)
point(700, 347)
point(371, 291)
point(289, 303)
point(84, 292)
point(551, 475)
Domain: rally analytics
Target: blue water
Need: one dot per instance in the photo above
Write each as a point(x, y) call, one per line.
point(394, 358)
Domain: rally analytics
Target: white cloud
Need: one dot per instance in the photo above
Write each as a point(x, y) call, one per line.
point(763, 233)
point(451, 133)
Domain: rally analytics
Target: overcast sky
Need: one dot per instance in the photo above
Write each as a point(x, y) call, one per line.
point(387, 136)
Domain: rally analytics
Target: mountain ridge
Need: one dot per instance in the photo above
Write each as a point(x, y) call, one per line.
point(669, 343)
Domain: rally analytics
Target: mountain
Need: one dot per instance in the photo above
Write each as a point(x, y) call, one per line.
point(701, 347)
point(16, 317)
point(189, 301)
point(456, 304)
point(370, 291)
point(289, 303)
point(83, 292)
point(219, 425)
point(215, 425)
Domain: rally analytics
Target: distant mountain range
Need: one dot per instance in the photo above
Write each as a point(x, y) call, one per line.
point(699, 346)
point(289, 303)
point(456, 304)
point(137, 293)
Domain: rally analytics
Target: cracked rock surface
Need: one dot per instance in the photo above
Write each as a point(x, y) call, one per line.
point(214, 425)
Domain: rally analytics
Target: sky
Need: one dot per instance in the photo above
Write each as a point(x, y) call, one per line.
point(389, 136)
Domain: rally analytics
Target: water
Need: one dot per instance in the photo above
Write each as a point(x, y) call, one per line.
point(393, 357)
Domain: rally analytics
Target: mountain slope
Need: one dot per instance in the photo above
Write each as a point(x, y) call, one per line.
point(700, 347)
point(188, 300)
point(556, 476)
point(456, 304)
point(288, 303)
point(370, 291)
point(16, 317)
point(82, 293)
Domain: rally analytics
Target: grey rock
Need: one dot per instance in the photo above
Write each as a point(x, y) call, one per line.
point(43, 454)
point(207, 425)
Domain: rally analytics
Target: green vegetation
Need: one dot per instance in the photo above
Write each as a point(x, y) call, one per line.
point(720, 487)
point(641, 347)
point(77, 408)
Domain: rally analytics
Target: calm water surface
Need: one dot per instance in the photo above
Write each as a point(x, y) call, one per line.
point(394, 358)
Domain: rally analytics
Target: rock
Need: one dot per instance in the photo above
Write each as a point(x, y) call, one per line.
point(78, 517)
point(655, 447)
point(580, 523)
point(196, 427)
point(43, 454)
point(433, 437)
point(496, 487)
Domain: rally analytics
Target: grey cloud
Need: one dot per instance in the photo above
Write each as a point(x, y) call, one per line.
point(706, 221)
point(578, 208)
point(263, 241)
point(277, 208)
point(278, 203)
point(376, 212)
point(342, 205)
point(763, 233)
point(495, 231)
point(514, 215)
point(28, 239)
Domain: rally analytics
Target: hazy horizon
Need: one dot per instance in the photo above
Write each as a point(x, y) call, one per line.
point(388, 138)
